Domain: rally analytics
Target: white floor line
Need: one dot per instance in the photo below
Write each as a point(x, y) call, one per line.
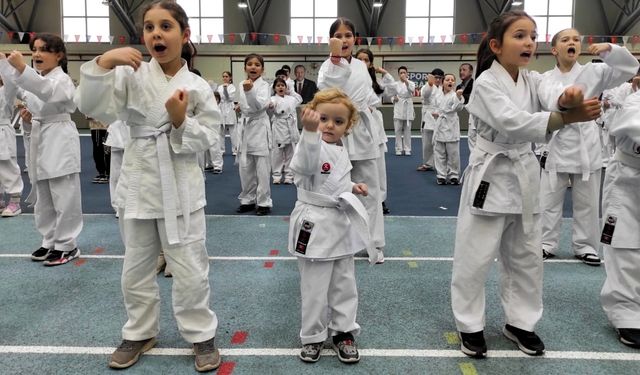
point(283, 216)
point(254, 258)
point(270, 352)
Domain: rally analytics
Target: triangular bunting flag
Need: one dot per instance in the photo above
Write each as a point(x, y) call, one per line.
point(264, 37)
point(232, 38)
point(309, 39)
point(32, 35)
point(464, 38)
point(21, 35)
point(625, 39)
point(210, 37)
point(410, 39)
point(401, 40)
point(99, 38)
point(253, 36)
point(390, 40)
point(220, 37)
point(276, 38)
point(379, 42)
point(242, 36)
point(111, 38)
point(319, 40)
point(300, 39)
point(443, 38)
point(614, 39)
point(76, 36)
point(369, 40)
point(88, 38)
point(432, 38)
point(288, 37)
point(121, 39)
point(421, 39)
point(11, 34)
point(65, 37)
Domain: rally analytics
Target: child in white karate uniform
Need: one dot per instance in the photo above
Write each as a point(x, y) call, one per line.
point(284, 126)
point(227, 93)
point(499, 210)
point(160, 196)
point(255, 139)
point(54, 161)
point(446, 133)
point(10, 176)
point(620, 295)
point(328, 226)
point(403, 112)
point(574, 154)
point(431, 94)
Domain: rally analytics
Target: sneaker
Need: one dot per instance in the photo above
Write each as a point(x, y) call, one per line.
point(422, 168)
point(630, 337)
point(129, 352)
point(528, 342)
point(407, 153)
point(13, 209)
point(167, 273)
point(58, 258)
point(441, 181)
point(263, 210)
point(98, 178)
point(103, 180)
point(311, 352)
point(590, 259)
point(380, 256)
point(454, 181)
point(40, 254)
point(245, 208)
point(207, 355)
point(346, 348)
point(277, 181)
point(208, 168)
point(398, 153)
point(473, 344)
point(288, 181)
point(217, 170)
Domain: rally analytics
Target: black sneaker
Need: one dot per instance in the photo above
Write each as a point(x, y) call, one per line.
point(346, 348)
point(40, 254)
point(527, 341)
point(385, 209)
point(590, 259)
point(262, 210)
point(245, 208)
point(473, 344)
point(58, 258)
point(311, 352)
point(441, 181)
point(98, 179)
point(630, 337)
point(547, 255)
point(454, 181)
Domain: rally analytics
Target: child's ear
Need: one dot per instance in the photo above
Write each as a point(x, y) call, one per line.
point(186, 35)
point(494, 45)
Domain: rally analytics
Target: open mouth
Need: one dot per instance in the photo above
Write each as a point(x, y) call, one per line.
point(159, 48)
point(571, 51)
point(38, 61)
point(526, 54)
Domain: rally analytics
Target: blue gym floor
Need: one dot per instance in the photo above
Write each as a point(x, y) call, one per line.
point(67, 319)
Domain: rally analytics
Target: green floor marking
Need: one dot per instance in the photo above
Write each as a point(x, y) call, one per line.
point(468, 369)
point(413, 264)
point(452, 338)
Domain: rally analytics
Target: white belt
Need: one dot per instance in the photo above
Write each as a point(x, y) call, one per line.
point(585, 161)
point(167, 179)
point(36, 123)
point(351, 206)
point(627, 159)
point(513, 152)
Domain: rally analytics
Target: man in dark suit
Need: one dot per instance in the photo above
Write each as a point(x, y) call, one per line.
point(306, 88)
point(466, 75)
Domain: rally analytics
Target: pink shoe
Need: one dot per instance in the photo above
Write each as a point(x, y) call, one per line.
point(13, 209)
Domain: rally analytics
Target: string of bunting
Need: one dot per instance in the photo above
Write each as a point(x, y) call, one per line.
point(267, 38)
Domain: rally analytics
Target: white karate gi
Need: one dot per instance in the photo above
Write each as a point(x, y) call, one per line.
point(337, 222)
point(507, 225)
point(117, 138)
point(229, 121)
point(387, 84)
point(255, 141)
point(160, 195)
point(54, 160)
point(363, 142)
point(575, 156)
point(10, 176)
point(284, 125)
point(430, 97)
point(620, 295)
point(403, 115)
point(446, 136)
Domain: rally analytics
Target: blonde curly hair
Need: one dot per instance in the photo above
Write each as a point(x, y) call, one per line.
point(335, 96)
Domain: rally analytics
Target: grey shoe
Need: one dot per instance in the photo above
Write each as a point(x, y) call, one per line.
point(207, 355)
point(129, 352)
point(311, 352)
point(347, 351)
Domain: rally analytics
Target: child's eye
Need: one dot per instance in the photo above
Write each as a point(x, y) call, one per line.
point(323, 119)
point(148, 27)
point(534, 37)
point(166, 26)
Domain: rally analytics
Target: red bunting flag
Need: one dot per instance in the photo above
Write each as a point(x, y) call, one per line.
point(319, 40)
point(32, 35)
point(276, 38)
point(77, 36)
point(401, 40)
point(300, 39)
point(443, 38)
point(253, 36)
point(548, 38)
point(121, 39)
point(420, 39)
point(614, 39)
point(209, 37)
point(379, 42)
point(590, 39)
point(99, 38)
point(11, 34)
point(359, 40)
point(464, 38)
point(232, 37)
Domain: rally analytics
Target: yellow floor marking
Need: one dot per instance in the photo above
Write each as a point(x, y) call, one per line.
point(452, 338)
point(413, 264)
point(468, 369)
point(407, 253)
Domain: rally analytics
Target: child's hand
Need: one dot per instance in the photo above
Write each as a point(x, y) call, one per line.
point(310, 120)
point(395, 99)
point(435, 115)
point(2, 56)
point(588, 110)
point(459, 93)
point(335, 49)
point(25, 115)
point(360, 189)
point(271, 105)
point(571, 97)
point(379, 70)
point(125, 56)
point(17, 61)
point(635, 83)
point(176, 105)
point(598, 48)
point(247, 85)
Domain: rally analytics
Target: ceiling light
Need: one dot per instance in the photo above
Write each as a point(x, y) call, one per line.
point(242, 4)
point(516, 3)
point(377, 4)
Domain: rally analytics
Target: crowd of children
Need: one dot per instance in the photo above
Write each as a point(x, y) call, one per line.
point(163, 118)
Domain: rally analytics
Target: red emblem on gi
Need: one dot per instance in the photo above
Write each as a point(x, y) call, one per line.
point(326, 167)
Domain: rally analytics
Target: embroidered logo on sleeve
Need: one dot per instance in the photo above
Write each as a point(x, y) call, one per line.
point(326, 168)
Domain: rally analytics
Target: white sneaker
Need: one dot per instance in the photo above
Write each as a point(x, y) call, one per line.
point(13, 209)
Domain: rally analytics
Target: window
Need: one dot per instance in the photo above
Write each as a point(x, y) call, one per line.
point(82, 19)
point(312, 18)
point(206, 19)
point(431, 20)
point(550, 16)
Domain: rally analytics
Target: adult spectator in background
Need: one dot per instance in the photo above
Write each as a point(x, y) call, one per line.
point(466, 76)
point(304, 87)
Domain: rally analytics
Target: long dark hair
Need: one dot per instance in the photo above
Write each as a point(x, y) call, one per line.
point(498, 27)
point(342, 21)
point(177, 12)
point(54, 44)
point(372, 71)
